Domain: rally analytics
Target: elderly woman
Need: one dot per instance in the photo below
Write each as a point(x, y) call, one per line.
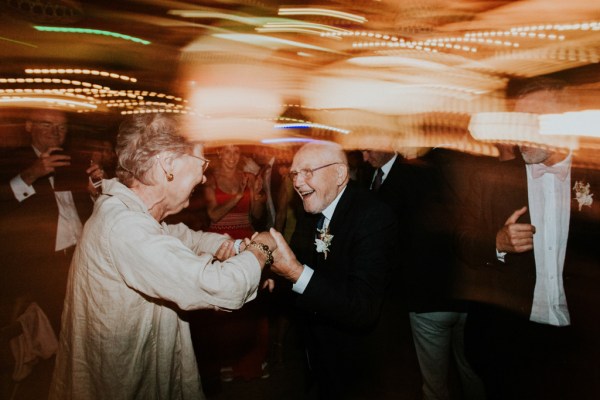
point(131, 276)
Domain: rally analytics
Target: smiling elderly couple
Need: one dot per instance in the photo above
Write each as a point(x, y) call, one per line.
point(132, 274)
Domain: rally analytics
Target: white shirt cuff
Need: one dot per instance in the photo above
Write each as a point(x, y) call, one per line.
point(302, 282)
point(20, 189)
point(500, 255)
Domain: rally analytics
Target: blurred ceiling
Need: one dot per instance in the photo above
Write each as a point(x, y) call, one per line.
point(366, 66)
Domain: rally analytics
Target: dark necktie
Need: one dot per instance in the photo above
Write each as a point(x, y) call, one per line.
point(378, 180)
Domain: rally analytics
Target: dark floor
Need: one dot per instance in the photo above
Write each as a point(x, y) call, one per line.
point(285, 380)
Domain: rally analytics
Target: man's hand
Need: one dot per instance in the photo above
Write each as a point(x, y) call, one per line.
point(225, 251)
point(268, 284)
point(285, 262)
point(515, 237)
point(95, 176)
point(45, 164)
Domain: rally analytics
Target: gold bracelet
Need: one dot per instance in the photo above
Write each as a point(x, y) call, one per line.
point(263, 248)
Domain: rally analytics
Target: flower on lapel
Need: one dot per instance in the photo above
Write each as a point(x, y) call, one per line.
point(582, 194)
point(323, 241)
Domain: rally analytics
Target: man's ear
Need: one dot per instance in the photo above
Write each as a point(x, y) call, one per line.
point(342, 173)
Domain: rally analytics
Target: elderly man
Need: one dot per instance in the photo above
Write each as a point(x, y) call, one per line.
point(44, 200)
point(343, 252)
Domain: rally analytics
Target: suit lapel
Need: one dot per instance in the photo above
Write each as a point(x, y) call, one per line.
point(339, 215)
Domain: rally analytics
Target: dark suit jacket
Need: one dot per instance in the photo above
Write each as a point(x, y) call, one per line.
point(342, 301)
point(496, 193)
point(28, 228)
point(425, 208)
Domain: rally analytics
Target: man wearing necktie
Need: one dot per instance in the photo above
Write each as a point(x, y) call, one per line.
point(534, 333)
point(339, 271)
point(44, 201)
point(422, 305)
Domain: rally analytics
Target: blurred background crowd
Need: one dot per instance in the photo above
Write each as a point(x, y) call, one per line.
point(434, 84)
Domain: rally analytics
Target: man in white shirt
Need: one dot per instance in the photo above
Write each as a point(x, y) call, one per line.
point(44, 202)
point(535, 334)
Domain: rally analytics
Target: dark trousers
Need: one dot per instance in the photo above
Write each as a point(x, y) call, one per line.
point(520, 359)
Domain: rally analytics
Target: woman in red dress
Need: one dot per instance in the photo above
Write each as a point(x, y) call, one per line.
point(233, 344)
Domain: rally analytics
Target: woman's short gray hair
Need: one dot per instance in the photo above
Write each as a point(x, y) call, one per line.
point(140, 139)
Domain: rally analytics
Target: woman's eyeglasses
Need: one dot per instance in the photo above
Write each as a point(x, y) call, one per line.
point(206, 162)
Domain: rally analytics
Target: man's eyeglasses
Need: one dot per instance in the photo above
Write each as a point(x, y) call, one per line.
point(206, 162)
point(47, 125)
point(308, 173)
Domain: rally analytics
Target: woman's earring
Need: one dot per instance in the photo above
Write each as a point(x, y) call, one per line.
point(170, 177)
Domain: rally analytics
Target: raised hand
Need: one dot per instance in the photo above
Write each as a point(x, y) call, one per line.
point(242, 187)
point(285, 263)
point(45, 164)
point(95, 175)
point(514, 237)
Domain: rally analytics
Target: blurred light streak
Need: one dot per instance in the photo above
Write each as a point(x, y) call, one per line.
point(396, 61)
point(577, 123)
point(228, 128)
point(302, 25)
point(287, 140)
point(28, 101)
point(64, 29)
point(269, 42)
point(18, 42)
point(517, 127)
point(322, 12)
point(217, 15)
point(311, 125)
point(289, 30)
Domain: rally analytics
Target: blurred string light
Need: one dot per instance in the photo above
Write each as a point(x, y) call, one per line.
point(90, 93)
point(263, 24)
point(78, 71)
point(268, 41)
point(287, 140)
point(12, 101)
point(469, 41)
point(53, 80)
point(322, 12)
point(64, 29)
point(47, 92)
point(578, 26)
point(305, 125)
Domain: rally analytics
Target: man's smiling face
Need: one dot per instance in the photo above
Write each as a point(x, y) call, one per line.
point(320, 189)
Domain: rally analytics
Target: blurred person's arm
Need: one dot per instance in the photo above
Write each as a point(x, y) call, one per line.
point(283, 201)
point(258, 197)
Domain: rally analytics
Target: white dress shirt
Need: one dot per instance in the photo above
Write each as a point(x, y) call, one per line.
point(307, 273)
point(549, 208)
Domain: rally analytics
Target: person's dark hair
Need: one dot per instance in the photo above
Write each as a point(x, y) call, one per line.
point(140, 139)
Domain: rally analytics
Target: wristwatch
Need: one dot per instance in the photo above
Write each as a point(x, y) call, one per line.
point(263, 248)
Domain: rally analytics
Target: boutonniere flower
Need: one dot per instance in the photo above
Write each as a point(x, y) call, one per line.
point(323, 241)
point(582, 194)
